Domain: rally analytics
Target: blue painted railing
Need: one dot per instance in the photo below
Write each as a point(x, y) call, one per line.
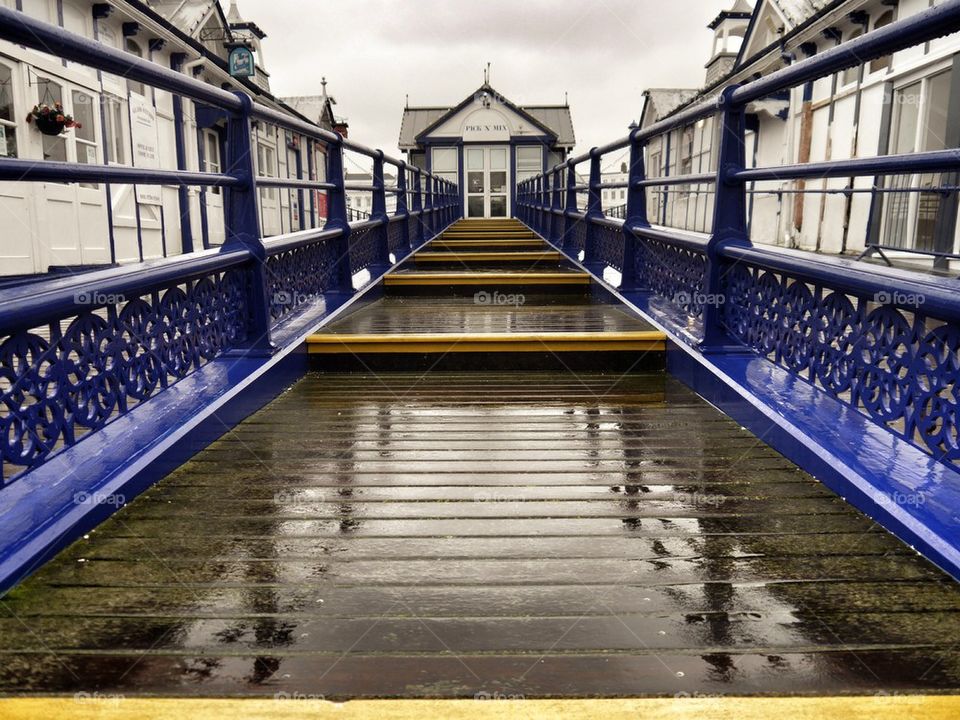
point(875, 352)
point(78, 352)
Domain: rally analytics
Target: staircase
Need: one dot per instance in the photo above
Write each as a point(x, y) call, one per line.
point(488, 294)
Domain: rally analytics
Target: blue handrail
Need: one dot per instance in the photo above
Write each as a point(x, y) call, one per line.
point(850, 329)
point(78, 352)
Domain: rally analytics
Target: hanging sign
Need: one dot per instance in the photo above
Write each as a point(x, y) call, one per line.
point(241, 62)
point(146, 153)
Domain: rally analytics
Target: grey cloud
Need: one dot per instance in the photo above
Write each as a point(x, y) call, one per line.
point(373, 52)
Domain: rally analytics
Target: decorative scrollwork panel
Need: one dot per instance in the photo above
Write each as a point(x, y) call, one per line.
point(672, 272)
point(610, 246)
point(61, 381)
point(364, 247)
point(897, 366)
point(300, 276)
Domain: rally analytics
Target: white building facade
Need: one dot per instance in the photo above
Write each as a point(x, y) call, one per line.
point(907, 102)
point(51, 227)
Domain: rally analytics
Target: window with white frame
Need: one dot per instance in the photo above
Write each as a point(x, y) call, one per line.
point(529, 161)
point(8, 113)
point(211, 156)
point(50, 93)
point(84, 134)
point(444, 162)
point(919, 123)
point(114, 111)
point(852, 74)
point(133, 47)
point(881, 63)
point(267, 167)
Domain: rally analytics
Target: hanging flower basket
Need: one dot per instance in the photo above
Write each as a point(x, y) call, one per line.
point(50, 119)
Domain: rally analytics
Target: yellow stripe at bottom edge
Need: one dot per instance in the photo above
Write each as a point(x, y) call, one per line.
point(91, 706)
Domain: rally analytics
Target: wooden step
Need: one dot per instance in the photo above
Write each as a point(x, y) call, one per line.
point(492, 279)
point(444, 244)
point(494, 256)
point(354, 344)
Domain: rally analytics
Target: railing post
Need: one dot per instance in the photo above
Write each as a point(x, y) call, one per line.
point(556, 221)
point(729, 220)
point(427, 216)
point(418, 238)
point(571, 206)
point(243, 228)
point(545, 204)
point(378, 213)
point(536, 206)
point(635, 214)
point(337, 217)
point(402, 211)
point(591, 253)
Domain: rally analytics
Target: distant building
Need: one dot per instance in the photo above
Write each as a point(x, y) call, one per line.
point(486, 144)
point(360, 202)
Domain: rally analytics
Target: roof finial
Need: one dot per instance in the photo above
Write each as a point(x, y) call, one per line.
point(407, 104)
point(486, 75)
point(566, 99)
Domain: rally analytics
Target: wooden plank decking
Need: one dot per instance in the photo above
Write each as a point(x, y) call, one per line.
point(454, 533)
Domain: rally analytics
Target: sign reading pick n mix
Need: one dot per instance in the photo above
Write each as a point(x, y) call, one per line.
point(241, 62)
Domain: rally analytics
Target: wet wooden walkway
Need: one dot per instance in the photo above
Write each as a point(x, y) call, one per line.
point(455, 534)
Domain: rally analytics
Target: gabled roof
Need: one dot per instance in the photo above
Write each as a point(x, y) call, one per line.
point(660, 102)
point(553, 120)
point(187, 15)
point(319, 108)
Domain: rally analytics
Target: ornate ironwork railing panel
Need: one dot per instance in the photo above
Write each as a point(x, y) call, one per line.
point(364, 247)
point(72, 375)
point(396, 237)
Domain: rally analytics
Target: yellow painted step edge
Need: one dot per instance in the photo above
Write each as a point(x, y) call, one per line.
point(290, 706)
point(487, 342)
point(454, 278)
point(494, 255)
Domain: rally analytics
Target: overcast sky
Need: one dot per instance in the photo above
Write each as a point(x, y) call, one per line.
point(604, 53)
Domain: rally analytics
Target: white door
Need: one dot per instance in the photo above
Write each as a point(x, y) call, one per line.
point(212, 163)
point(488, 181)
point(267, 166)
point(72, 217)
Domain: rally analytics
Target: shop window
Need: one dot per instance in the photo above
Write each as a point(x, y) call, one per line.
point(529, 162)
point(443, 163)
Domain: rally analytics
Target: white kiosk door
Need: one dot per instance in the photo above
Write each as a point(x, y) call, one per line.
point(488, 181)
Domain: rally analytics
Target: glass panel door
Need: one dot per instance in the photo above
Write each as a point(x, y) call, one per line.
point(487, 181)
